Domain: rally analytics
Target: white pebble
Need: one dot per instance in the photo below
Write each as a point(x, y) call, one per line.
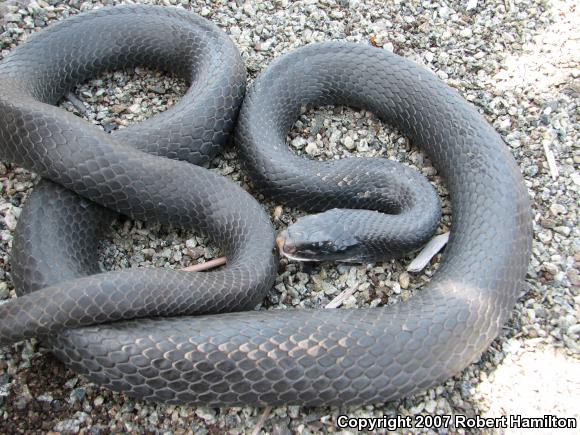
point(312, 149)
point(348, 142)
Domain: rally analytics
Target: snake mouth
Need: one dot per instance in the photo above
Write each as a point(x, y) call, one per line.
point(286, 248)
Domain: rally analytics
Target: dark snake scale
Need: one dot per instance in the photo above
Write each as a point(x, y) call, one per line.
point(178, 344)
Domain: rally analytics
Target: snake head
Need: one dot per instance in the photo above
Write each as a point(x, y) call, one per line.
point(320, 237)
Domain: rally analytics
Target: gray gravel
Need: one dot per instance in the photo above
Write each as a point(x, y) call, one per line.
point(516, 60)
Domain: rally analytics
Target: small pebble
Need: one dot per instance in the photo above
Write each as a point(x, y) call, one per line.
point(312, 149)
point(348, 142)
point(404, 280)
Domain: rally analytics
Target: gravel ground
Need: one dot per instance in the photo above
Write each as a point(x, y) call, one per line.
point(516, 60)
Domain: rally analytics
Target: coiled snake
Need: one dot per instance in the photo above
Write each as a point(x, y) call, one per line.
point(307, 357)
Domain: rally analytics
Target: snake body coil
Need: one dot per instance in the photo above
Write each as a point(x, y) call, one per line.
point(308, 357)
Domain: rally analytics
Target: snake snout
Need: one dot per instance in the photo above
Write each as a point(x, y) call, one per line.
point(285, 243)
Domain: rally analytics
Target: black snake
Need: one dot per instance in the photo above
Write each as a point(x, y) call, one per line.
point(307, 357)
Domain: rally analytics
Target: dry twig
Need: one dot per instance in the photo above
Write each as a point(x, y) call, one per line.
point(207, 265)
point(428, 252)
point(551, 160)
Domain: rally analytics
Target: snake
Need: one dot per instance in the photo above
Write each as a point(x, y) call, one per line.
point(181, 337)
